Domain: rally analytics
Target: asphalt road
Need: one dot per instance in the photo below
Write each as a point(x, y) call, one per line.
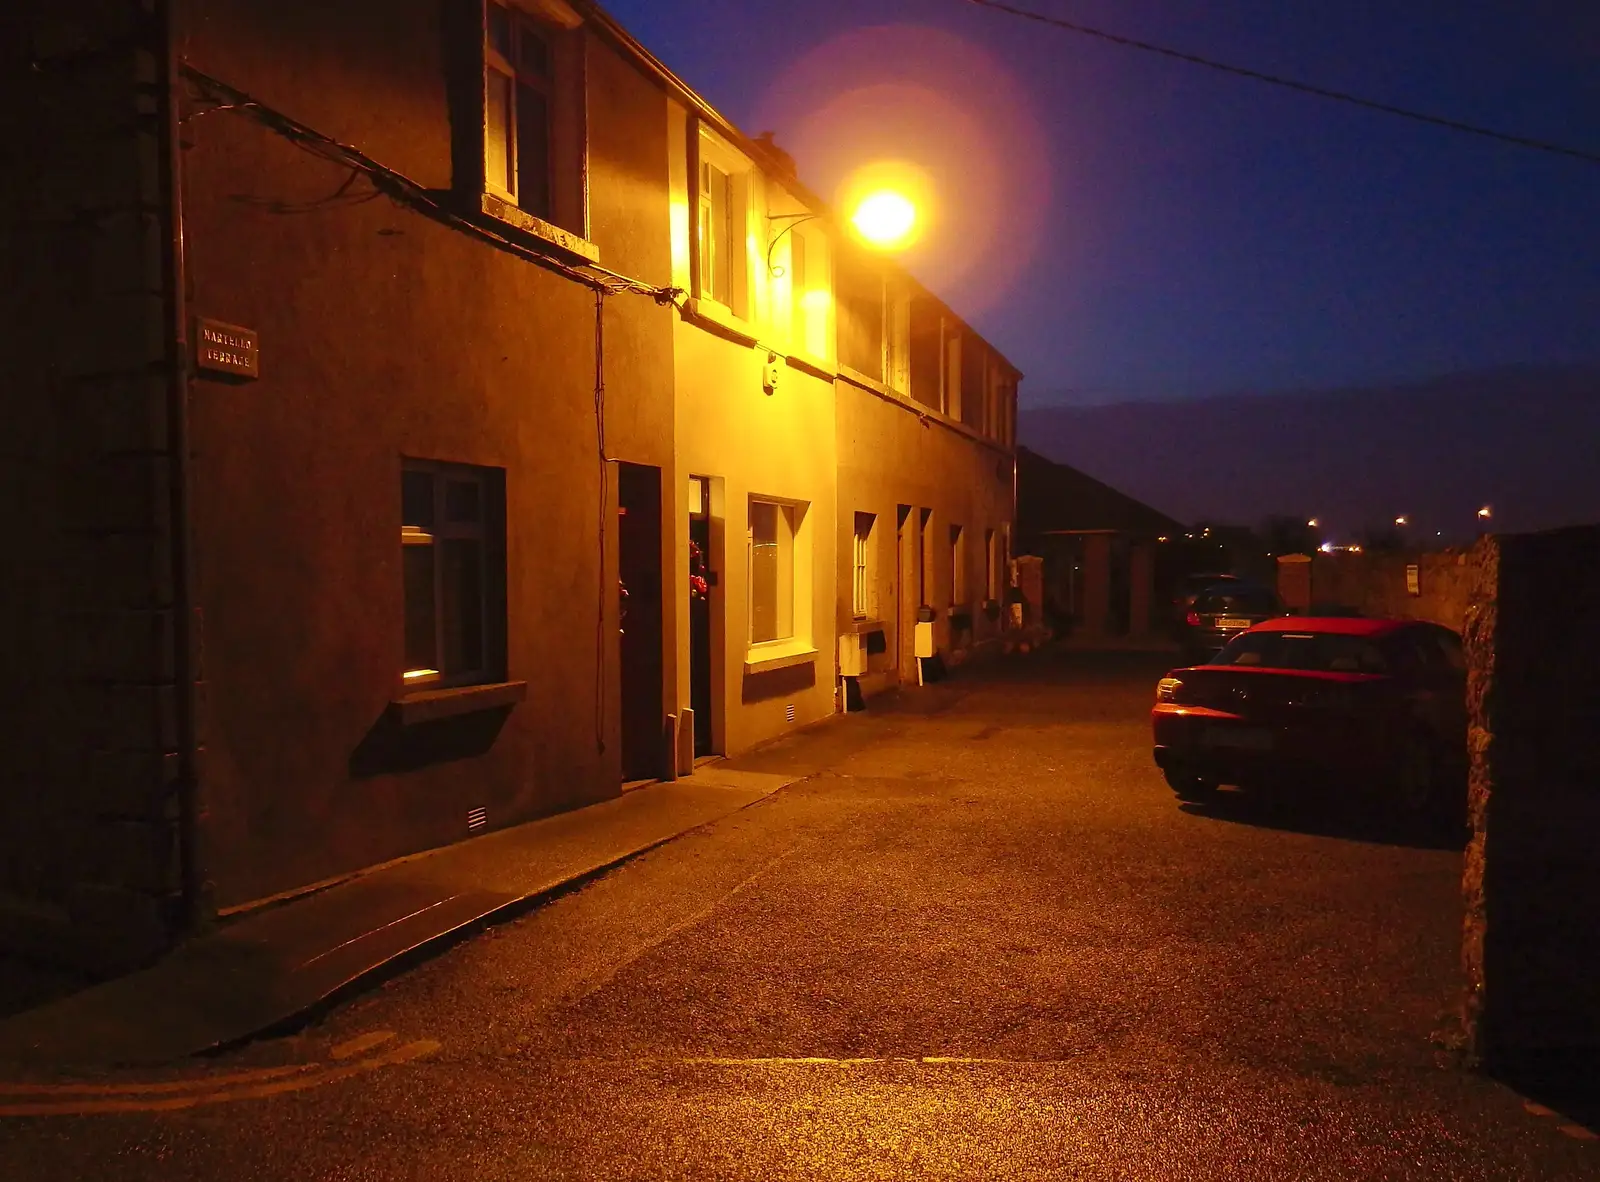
point(981, 941)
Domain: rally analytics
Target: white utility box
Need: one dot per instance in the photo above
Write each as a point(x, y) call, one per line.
point(922, 639)
point(852, 655)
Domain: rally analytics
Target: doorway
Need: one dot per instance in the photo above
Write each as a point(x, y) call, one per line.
point(908, 586)
point(702, 581)
point(640, 619)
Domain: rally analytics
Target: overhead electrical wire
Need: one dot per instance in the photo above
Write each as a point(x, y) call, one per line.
point(403, 190)
point(1288, 83)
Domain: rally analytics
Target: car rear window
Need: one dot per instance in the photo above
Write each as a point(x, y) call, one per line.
point(1324, 652)
point(1256, 601)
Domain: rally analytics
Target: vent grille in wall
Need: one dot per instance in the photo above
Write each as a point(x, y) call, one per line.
point(788, 712)
point(477, 818)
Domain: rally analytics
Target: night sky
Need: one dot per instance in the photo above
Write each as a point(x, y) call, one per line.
point(1127, 227)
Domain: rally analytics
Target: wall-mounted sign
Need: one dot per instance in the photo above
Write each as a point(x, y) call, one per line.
point(226, 349)
point(1413, 579)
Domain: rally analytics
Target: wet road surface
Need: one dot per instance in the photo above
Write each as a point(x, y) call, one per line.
point(980, 940)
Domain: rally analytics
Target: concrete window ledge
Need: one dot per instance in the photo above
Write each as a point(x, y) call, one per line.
point(427, 705)
point(757, 662)
point(538, 233)
point(862, 627)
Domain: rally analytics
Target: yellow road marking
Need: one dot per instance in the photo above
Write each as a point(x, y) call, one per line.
point(133, 1089)
point(256, 1091)
point(364, 1042)
point(813, 1060)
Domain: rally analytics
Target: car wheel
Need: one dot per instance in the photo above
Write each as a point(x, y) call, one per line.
point(1188, 786)
point(1414, 790)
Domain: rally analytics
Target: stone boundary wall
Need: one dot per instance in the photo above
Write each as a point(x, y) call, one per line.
point(1376, 584)
point(89, 868)
point(1531, 940)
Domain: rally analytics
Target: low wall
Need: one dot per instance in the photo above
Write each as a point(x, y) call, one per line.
point(1531, 947)
point(1377, 584)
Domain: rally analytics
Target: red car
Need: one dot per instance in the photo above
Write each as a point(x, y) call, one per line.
point(1352, 703)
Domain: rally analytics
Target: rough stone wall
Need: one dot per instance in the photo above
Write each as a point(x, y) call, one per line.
point(1376, 584)
point(1531, 941)
point(88, 825)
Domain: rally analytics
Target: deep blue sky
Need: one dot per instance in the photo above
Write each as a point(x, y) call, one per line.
point(1185, 232)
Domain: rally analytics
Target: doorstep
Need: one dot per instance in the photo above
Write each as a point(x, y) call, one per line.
point(274, 969)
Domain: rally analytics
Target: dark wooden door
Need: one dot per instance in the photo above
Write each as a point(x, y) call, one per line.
point(639, 568)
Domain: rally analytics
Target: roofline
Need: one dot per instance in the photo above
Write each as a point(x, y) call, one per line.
point(634, 48)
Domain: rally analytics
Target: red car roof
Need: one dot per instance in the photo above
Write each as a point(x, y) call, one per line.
point(1339, 625)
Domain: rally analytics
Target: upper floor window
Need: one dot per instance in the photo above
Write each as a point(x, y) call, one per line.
point(723, 198)
point(808, 294)
point(896, 337)
point(533, 91)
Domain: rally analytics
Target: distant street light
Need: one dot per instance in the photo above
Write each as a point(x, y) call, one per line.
point(1485, 513)
point(1313, 523)
point(1402, 520)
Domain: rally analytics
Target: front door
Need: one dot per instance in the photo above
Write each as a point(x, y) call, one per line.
point(702, 581)
point(639, 569)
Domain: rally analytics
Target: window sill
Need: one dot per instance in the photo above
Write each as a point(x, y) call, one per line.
point(766, 661)
point(862, 626)
point(536, 232)
point(428, 705)
point(721, 320)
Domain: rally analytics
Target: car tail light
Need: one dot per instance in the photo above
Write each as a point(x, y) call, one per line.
point(1168, 688)
point(1192, 619)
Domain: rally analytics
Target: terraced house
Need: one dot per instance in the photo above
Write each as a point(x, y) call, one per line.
point(423, 417)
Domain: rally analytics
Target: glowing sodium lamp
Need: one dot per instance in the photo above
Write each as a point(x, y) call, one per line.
point(1485, 513)
point(1402, 520)
point(1313, 523)
point(885, 218)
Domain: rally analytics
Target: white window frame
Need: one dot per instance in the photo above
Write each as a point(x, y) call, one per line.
point(896, 337)
point(715, 154)
point(786, 536)
point(959, 590)
point(861, 566)
point(511, 70)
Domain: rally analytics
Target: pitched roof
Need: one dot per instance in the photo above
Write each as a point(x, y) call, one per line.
point(1055, 498)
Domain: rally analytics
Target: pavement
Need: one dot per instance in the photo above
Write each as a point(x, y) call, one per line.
point(974, 938)
point(281, 964)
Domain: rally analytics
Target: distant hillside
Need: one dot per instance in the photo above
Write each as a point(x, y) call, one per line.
point(1526, 441)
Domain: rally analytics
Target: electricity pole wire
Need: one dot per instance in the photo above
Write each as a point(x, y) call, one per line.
point(1288, 83)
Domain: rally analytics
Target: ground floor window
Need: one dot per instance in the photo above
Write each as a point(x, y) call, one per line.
point(452, 550)
point(861, 566)
point(958, 565)
point(772, 545)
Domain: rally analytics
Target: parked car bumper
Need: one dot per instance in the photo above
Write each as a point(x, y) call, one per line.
point(1232, 749)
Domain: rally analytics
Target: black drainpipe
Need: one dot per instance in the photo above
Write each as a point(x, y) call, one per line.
point(195, 898)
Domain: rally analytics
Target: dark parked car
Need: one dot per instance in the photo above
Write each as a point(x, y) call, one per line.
point(1363, 702)
point(1220, 612)
point(1184, 591)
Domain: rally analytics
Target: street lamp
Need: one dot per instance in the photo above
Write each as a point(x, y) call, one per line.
point(1402, 520)
point(1485, 513)
point(885, 218)
point(1313, 523)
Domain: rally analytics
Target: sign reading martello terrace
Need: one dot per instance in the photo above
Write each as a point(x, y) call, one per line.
point(227, 349)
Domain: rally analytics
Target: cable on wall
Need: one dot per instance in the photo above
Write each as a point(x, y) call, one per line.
point(404, 191)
